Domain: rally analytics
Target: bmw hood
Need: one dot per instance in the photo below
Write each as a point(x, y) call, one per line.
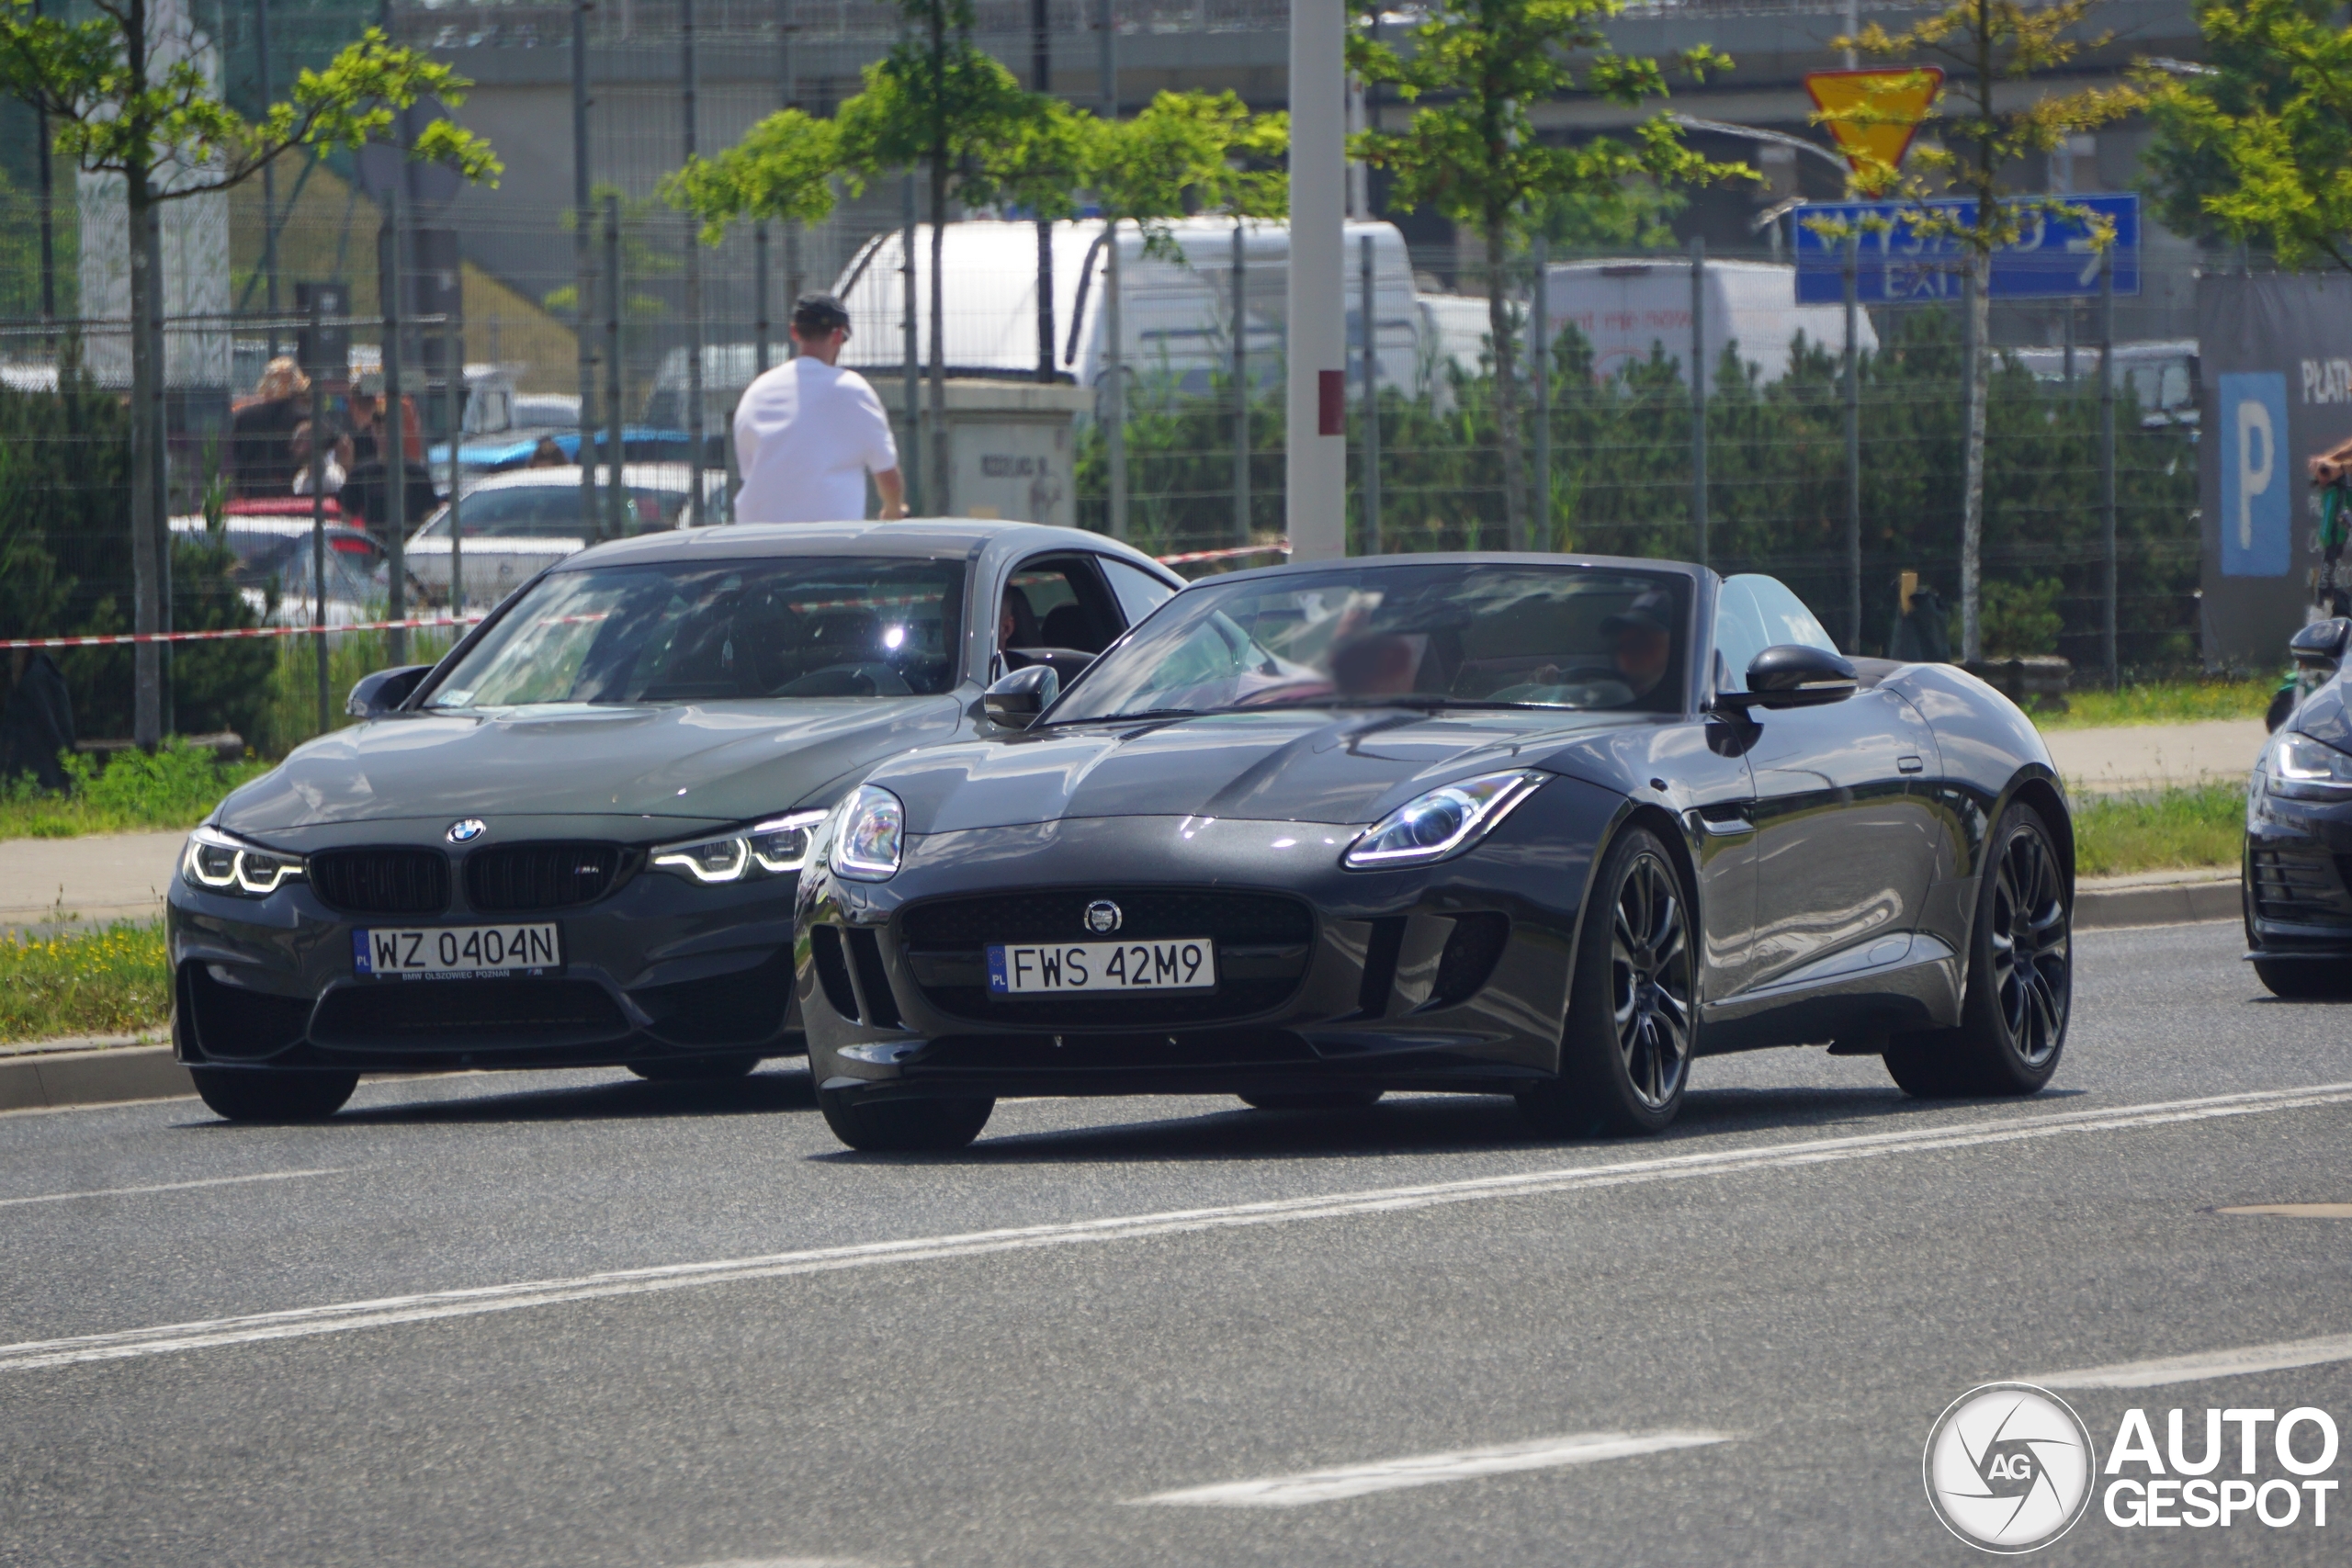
point(1294, 766)
point(720, 763)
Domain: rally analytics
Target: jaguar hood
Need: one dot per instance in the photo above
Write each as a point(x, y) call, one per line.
point(723, 762)
point(1300, 765)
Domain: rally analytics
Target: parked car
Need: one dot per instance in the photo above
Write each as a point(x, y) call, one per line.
point(517, 523)
point(274, 572)
point(576, 839)
point(1552, 827)
point(2298, 820)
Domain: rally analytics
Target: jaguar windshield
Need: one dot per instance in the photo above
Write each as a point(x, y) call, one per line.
point(718, 632)
point(1444, 635)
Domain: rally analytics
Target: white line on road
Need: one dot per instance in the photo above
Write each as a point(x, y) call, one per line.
point(172, 1186)
point(343, 1316)
point(1428, 1470)
point(2211, 1364)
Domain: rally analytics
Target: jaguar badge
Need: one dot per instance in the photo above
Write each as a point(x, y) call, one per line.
point(1103, 917)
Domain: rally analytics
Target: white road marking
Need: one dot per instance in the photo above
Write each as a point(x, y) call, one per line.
point(2211, 1364)
point(2292, 1211)
point(1429, 1470)
point(343, 1316)
point(172, 1186)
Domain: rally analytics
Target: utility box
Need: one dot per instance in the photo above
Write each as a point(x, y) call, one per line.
point(1011, 449)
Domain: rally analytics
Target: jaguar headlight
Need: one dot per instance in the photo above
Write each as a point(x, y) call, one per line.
point(872, 837)
point(1443, 822)
point(2301, 768)
point(219, 863)
point(777, 847)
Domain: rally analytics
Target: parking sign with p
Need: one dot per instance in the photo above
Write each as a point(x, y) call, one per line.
point(2257, 483)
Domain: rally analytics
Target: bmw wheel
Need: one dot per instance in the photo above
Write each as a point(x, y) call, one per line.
point(1632, 1016)
point(2020, 977)
point(242, 1094)
point(903, 1126)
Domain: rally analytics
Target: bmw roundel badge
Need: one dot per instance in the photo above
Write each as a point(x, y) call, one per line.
point(1103, 917)
point(468, 831)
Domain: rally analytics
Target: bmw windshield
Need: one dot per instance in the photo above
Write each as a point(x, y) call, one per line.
point(1446, 635)
point(844, 626)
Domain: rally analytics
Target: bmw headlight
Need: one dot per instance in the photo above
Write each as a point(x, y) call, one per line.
point(872, 837)
point(1443, 822)
point(2303, 769)
point(777, 847)
point(219, 863)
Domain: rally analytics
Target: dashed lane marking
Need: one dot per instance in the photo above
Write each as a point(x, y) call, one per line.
point(2210, 1364)
point(1429, 1470)
point(171, 1186)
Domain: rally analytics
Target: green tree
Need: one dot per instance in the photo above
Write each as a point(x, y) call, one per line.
point(2258, 146)
point(1987, 47)
point(1471, 150)
point(125, 100)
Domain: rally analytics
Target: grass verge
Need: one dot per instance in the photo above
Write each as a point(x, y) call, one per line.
point(2115, 835)
point(108, 980)
point(2162, 702)
point(173, 788)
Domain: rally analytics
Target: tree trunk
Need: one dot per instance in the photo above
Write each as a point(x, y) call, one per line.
point(942, 486)
point(146, 454)
point(1507, 431)
point(1972, 516)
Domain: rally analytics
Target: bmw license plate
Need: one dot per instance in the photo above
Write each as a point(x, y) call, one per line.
point(1179, 964)
point(456, 953)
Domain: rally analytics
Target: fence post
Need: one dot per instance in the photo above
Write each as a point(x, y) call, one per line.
point(689, 72)
point(2107, 463)
point(616, 493)
point(910, 372)
point(1241, 385)
point(1369, 487)
point(395, 445)
point(789, 74)
point(1114, 386)
point(1698, 393)
point(1853, 393)
point(454, 333)
point(1539, 349)
point(584, 270)
point(320, 441)
point(760, 298)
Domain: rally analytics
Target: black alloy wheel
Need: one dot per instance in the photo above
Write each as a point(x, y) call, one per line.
point(1633, 1019)
point(2020, 977)
point(261, 1094)
point(1322, 1100)
point(903, 1126)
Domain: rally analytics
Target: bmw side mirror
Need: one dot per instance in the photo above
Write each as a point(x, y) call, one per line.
point(2320, 645)
point(1017, 700)
point(1793, 675)
point(384, 691)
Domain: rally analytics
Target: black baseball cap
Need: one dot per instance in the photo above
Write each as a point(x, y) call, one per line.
point(1651, 608)
point(813, 315)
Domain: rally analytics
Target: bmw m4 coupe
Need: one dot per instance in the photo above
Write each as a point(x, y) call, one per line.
point(576, 840)
point(1544, 826)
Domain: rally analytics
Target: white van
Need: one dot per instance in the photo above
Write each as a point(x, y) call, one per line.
point(1175, 313)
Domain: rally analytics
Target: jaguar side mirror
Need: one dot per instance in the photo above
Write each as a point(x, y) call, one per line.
point(1017, 700)
point(379, 694)
point(1793, 675)
point(2320, 645)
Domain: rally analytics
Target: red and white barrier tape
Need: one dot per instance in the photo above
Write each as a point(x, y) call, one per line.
point(231, 633)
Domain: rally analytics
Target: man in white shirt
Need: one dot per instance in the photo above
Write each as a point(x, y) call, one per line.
point(808, 432)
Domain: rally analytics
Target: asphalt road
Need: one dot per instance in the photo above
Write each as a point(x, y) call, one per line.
point(1774, 1303)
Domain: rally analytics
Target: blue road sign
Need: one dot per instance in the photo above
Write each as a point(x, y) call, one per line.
point(1898, 266)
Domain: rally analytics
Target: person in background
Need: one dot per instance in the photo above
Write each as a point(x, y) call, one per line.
point(547, 454)
point(338, 461)
point(366, 491)
point(260, 432)
point(808, 432)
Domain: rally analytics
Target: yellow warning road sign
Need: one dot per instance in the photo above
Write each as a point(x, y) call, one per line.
point(1872, 115)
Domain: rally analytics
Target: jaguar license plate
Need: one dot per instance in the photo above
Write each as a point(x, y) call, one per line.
point(1177, 964)
point(456, 953)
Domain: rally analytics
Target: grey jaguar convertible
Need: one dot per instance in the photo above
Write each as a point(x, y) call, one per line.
point(576, 840)
point(1536, 825)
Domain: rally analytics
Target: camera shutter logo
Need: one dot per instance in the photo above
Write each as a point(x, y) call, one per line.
point(2009, 1467)
point(1103, 917)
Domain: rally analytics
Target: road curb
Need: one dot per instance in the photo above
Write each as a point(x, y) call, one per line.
point(2161, 904)
point(51, 1080)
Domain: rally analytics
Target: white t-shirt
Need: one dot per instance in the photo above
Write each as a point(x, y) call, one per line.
point(806, 434)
